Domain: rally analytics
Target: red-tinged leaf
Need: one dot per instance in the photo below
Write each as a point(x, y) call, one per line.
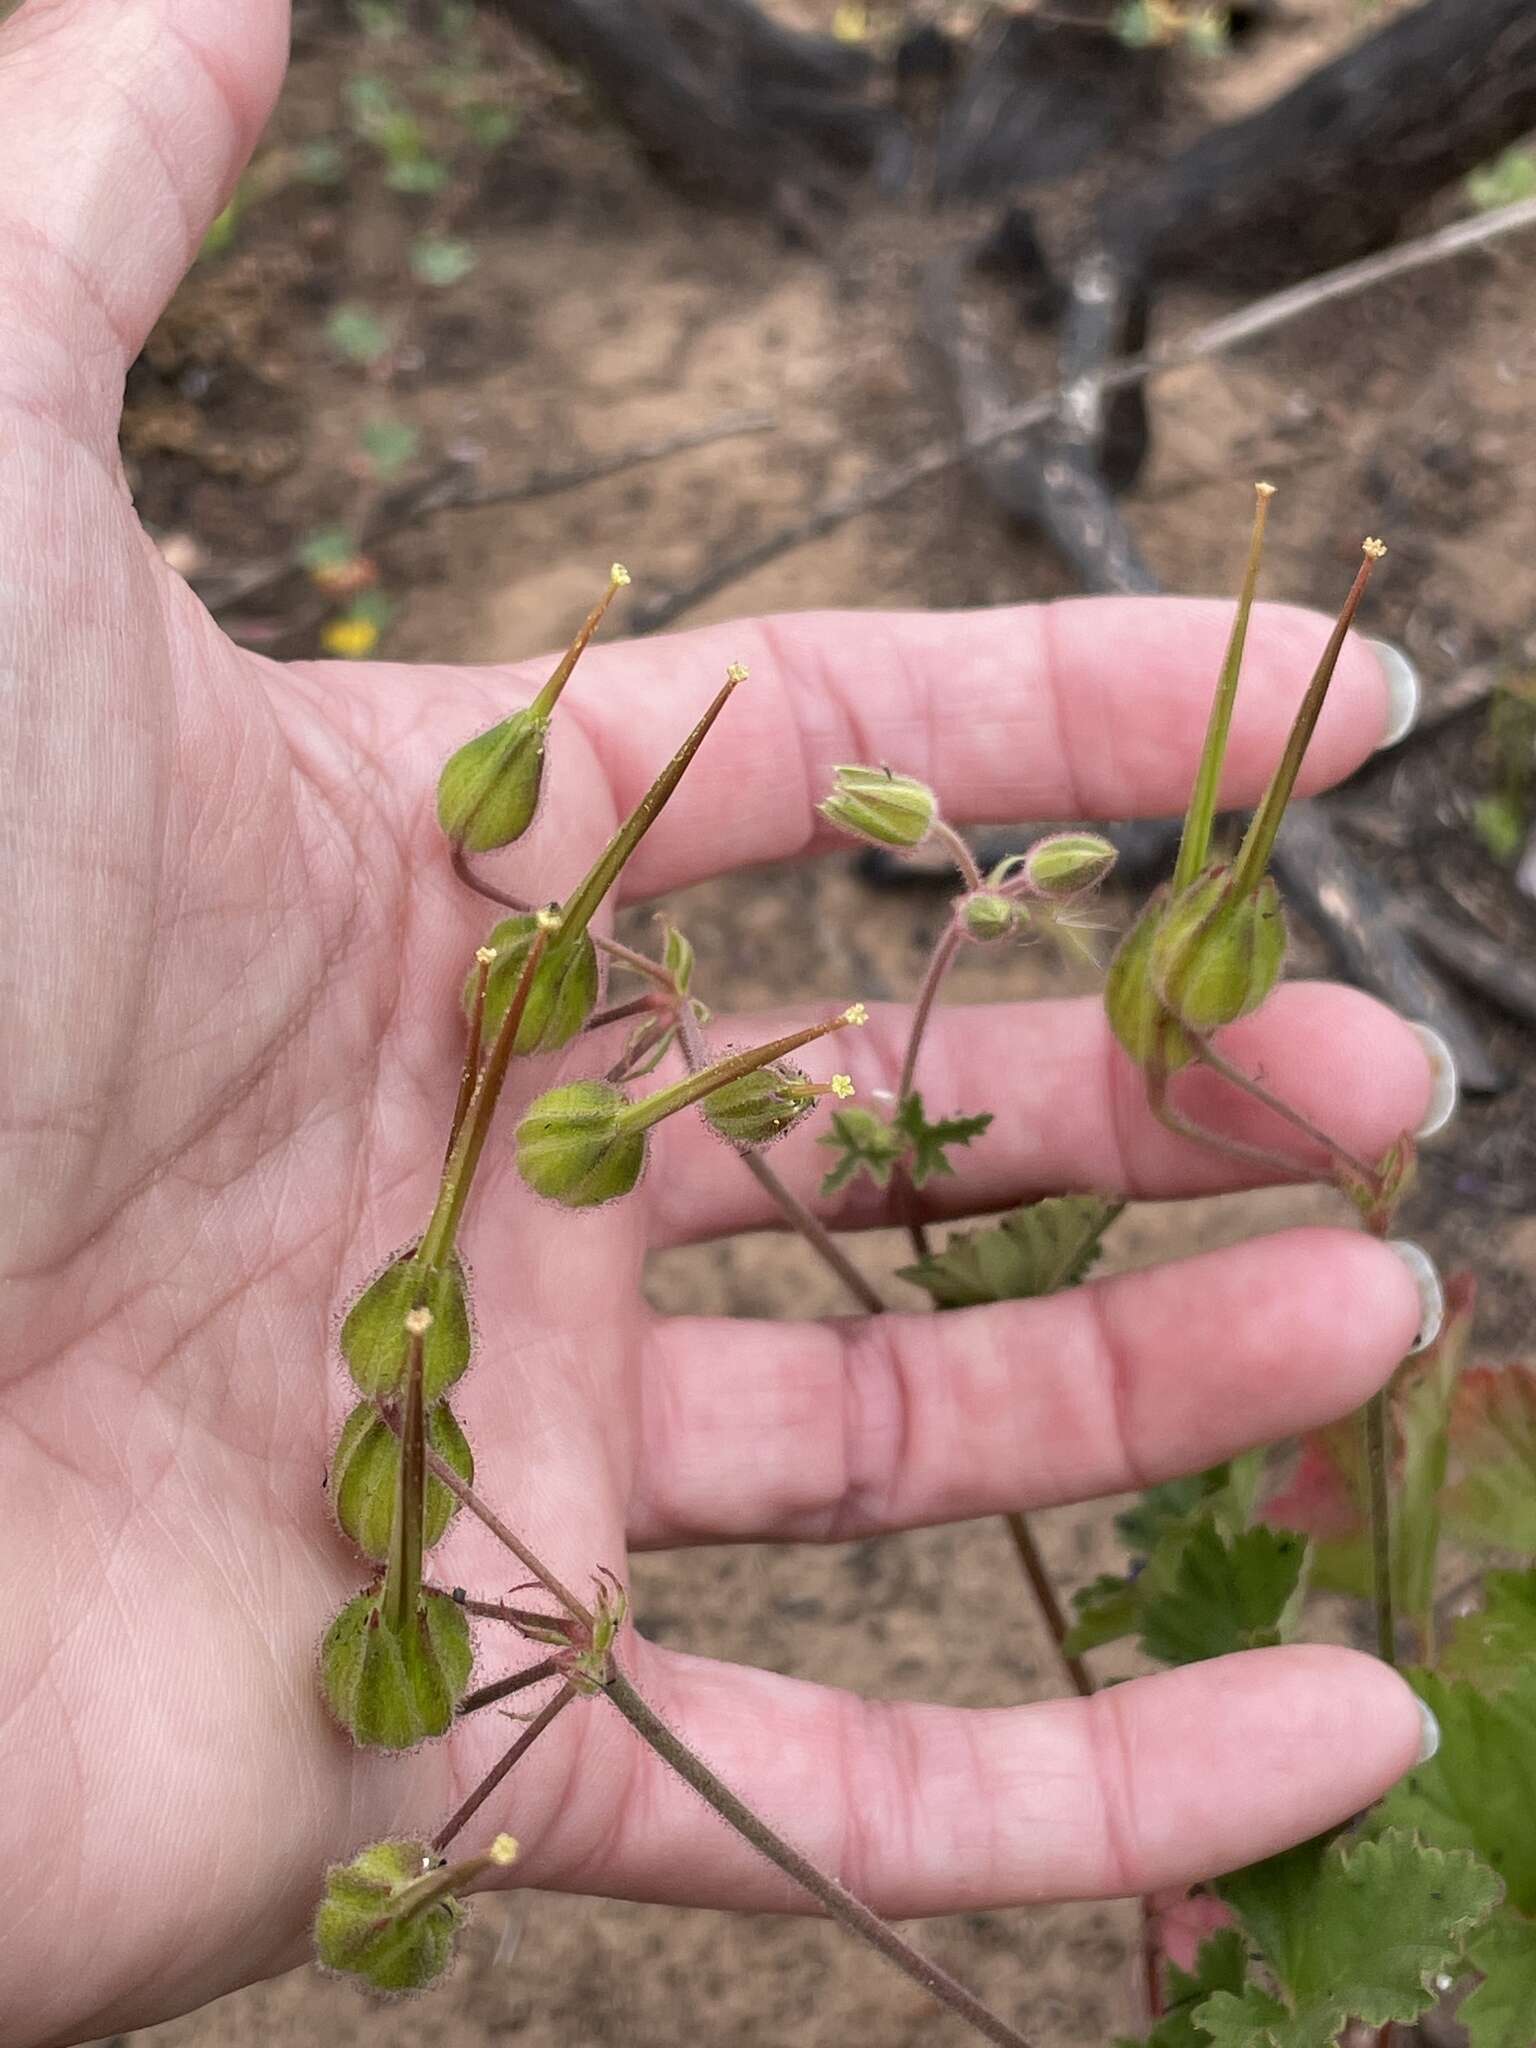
point(1183, 1921)
point(1492, 1499)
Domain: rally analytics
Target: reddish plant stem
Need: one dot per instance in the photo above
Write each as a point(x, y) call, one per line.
point(466, 1812)
point(504, 1688)
point(939, 963)
point(1050, 1605)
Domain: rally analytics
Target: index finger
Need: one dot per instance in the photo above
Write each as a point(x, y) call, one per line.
point(1085, 708)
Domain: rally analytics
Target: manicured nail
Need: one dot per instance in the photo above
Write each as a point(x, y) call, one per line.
point(1426, 1279)
point(1443, 1089)
point(1429, 1740)
point(1404, 691)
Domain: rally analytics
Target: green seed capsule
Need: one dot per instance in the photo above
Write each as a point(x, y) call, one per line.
point(574, 1147)
point(374, 1341)
point(891, 810)
point(1068, 863)
point(756, 1108)
point(1137, 1014)
point(393, 1690)
point(564, 991)
point(365, 1473)
point(1217, 955)
point(361, 1927)
point(987, 917)
point(488, 791)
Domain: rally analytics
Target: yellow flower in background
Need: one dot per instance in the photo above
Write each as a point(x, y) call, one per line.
point(350, 638)
point(850, 24)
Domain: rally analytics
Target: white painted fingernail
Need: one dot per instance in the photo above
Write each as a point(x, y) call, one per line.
point(1404, 691)
point(1444, 1091)
point(1429, 1740)
point(1426, 1278)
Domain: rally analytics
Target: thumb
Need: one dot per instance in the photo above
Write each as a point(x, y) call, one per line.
point(123, 126)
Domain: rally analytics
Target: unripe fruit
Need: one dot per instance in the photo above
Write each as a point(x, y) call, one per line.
point(1137, 1014)
point(565, 984)
point(1218, 954)
point(890, 810)
point(365, 1472)
point(374, 1340)
point(392, 1689)
point(986, 917)
point(756, 1108)
point(390, 1916)
point(1068, 863)
point(488, 791)
point(574, 1146)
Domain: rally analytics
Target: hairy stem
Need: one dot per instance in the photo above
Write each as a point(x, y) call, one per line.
point(1374, 1419)
point(939, 963)
point(958, 851)
point(463, 1814)
point(837, 1900)
point(1049, 1602)
point(504, 1688)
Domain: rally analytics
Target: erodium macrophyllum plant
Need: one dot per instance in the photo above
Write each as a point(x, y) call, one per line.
point(1359, 1927)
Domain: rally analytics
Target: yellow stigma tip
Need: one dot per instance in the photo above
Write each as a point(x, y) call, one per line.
point(618, 576)
point(503, 1851)
point(736, 673)
point(1375, 549)
point(418, 1321)
point(855, 1014)
point(547, 920)
point(1265, 490)
point(485, 956)
point(842, 1086)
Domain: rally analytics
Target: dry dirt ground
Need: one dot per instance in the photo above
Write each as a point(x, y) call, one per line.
point(605, 310)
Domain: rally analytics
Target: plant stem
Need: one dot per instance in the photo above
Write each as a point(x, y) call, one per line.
point(494, 1610)
point(402, 1575)
point(1375, 1426)
point(464, 1158)
point(466, 1812)
point(1050, 1605)
point(939, 963)
point(504, 1688)
point(482, 1511)
point(958, 851)
point(838, 1901)
point(473, 1047)
point(1208, 1056)
point(549, 696)
point(620, 1013)
point(795, 1212)
point(703, 1081)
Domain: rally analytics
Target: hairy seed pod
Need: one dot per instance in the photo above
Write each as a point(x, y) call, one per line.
point(756, 1108)
point(1137, 1014)
point(392, 1914)
point(365, 1472)
point(1218, 952)
point(374, 1341)
point(574, 1146)
point(565, 984)
point(393, 1688)
point(1068, 863)
point(985, 916)
point(488, 791)
point(890, 810)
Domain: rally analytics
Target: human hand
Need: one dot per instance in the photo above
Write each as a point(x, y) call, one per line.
point(231, 1034)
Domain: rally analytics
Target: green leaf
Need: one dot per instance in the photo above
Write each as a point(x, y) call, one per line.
point(1227, 1594)
point(328, 547)
point(865, 1143)
point(422, 175)
point(1107, 1609)
point(678, 956)
point(1496, 1646)
point(1255, 2020)
point(928, 1140)
point(1220, 1965)
point(1173, 1504)
point(356, 333)
point(1493, 1441)
point(390, 444)
point(1479, 1791)
point(440, 262)
point(1499, 822)
point(487, 126)
point(1508, 178)
point(1501, 2012)
point(1035, 1250)
point(1353, 1932)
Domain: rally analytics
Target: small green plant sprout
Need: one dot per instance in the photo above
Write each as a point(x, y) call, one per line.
point(565, 991)
point(488, 791)
point(585, 1143)
point(391, 1916)
point(1210, 945)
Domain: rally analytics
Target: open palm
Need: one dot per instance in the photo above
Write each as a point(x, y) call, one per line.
point(230, 1046)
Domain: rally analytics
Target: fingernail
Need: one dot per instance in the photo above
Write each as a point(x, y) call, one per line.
point(1404, 691)
point(1443, 1089)
point(1426, 1279)
point(1429, 1740)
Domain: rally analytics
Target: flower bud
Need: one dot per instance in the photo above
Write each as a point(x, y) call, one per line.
point(1218, 951)
point(985, 916)
point(756, 1108)
point(573, 1145)
point(374, 1338)
point(390, 1916)
point(489, 790)
point(1068, 863)
point(565, 984)
point(891, 810)
point(393, 1688)
point(365, 1472)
